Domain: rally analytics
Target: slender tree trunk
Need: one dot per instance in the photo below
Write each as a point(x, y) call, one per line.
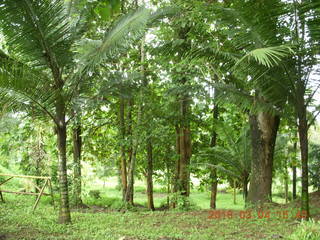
point(149, 174)
point(130, 182)
point(214, 188)
point(123, 162)
point(286, 181)
point(77, 146)
point(185, 148)
point(148, 121)
point(134, 149)
point(61, 127)
point(185, 133)
point(177, 168)
point(264, 129)
point(303, 136)
point(294, 172)
point(213, 174)
point(130, 187)
point(38, 158)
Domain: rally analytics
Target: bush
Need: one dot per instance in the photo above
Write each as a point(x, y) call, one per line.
point(307, 230)
point(95, 194)
point(183, 203)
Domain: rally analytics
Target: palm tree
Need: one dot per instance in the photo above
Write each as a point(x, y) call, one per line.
point(277, 78)
point(251, 51)
point(233, 158)
point(45, 63)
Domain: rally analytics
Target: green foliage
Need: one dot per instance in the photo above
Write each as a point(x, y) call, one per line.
point(95, 194)
point(183, 203)
point(314, 166)
point(307, 230)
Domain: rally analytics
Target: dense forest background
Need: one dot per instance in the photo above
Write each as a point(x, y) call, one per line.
point(162, 104)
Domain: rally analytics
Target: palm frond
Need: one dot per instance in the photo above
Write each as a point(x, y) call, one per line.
point(164, 12)
point(23, 88)
point(37, 31)
point(268, 56)
point(128, 28)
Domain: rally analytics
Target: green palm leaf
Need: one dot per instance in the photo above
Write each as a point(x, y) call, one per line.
point(268, 56)
point(37, 31)
point(22, 87)
point(128, 28)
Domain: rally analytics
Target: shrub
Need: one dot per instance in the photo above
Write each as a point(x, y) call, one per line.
point(183, 203)
point(95, 194)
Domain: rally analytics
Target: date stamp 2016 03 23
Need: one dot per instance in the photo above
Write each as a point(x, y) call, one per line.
point(258, 214)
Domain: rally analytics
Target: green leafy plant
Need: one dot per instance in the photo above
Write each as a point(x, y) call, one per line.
point(307, 230)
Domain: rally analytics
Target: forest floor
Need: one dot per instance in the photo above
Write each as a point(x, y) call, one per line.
point(278, 222)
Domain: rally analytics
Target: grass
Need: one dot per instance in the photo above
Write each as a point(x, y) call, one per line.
point(105, 219)
point(17, 222)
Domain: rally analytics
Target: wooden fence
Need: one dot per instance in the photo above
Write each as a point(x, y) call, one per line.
point(47, 183)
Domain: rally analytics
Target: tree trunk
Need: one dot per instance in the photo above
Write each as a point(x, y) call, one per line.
point(294, 172)
point(185, 148)
point(130, 183)
point(214, 188)
point(123, 162)
point(133, 151)
point(149, 174)
point(213, 174)
point(130, 187)
point(185, 154)
point(177, 168)
point(264, 129)
point(286, 181)
point(61, 127)
point(77, 146)
point(303, 136)
point(38, 158)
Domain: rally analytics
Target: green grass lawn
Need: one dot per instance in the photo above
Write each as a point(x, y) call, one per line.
point(201, 200)
point(17, 222)
point(106, 219)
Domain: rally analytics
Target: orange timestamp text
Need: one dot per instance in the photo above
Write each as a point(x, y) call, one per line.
point(257, 214)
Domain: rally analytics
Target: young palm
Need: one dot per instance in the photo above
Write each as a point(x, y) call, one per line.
point(44, 65)
point(234, 157)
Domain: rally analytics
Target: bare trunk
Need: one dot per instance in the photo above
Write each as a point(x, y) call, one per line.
point(185, 148)
point(286, 181)
point(77, 146)
point(64, 213)
point(123, 162)
point(133, 151)
point(214, 188)
point(303, 136)
point(177, 167)
point(149, 175)
point(130, 188)
point(294, 172)
point(130, 182)
point(264, 129)
point(184, 175)
point(213, 174)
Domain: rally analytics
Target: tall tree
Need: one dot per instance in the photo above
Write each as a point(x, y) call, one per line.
point(43, 36)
